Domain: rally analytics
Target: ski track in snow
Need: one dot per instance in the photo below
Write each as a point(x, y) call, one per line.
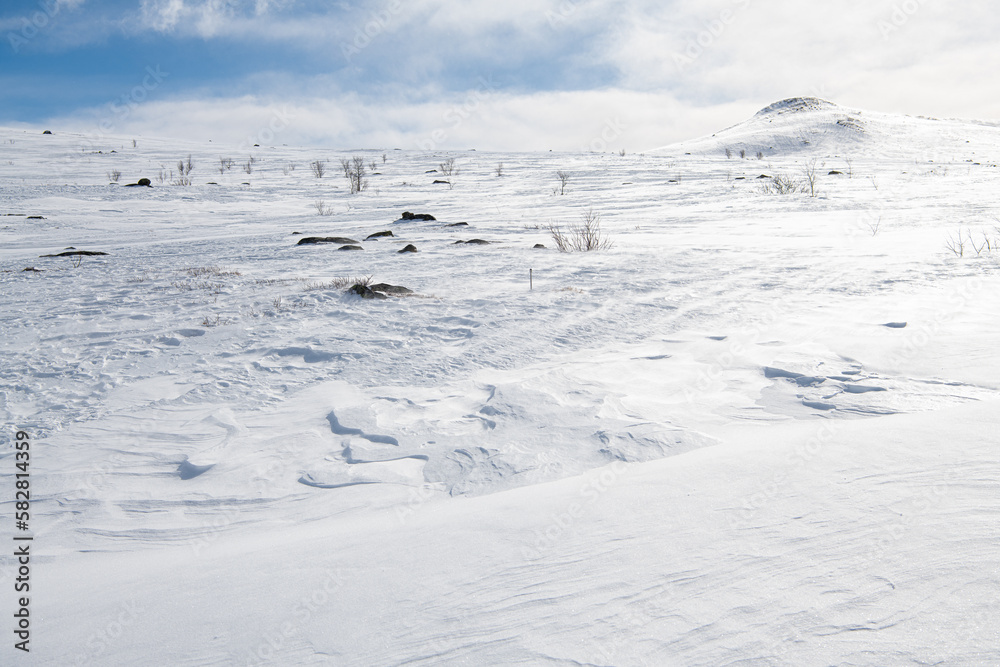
point(203, 382)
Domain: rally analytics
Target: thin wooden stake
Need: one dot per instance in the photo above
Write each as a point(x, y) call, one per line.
point(531, 280)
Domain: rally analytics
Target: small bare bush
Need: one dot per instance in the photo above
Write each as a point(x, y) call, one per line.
point(779, 185)
point(956, 244)
point(563, 180)
point(216, 271)
point(322, 208)
point(355, 171)
point(114, 175)
point(339, 283)
point(447, 167)
point(184, 170)
point(810, 173)
point(583, 237)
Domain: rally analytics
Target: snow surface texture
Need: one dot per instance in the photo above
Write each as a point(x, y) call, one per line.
point(758, 430)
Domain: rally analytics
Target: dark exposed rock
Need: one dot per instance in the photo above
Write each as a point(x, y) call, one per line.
point(458, 224)
point(31, 269)
point(438, 180)
point(350, 247)
point(835, 173)
point(538, 245)
point(763, 176)
point(431, 171)
point(142, 181)
point(70, 253)
point(478, 242)
point(47, 132)
point(740, 178)
point(895, 325)
point(417, 216)
point(309, 240)
point(296, 233)
point(35, 217)
point(386, 288)
point(409, 248)
point(378, 235)
point(365, 292)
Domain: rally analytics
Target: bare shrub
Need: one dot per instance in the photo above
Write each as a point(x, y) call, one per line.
point(779, 185)
point(339, 283)
point(215, 271)
point(355, 172)
point(318, 168)
point(225, 164)
point(114, 175)
point(563, 180)
point(810, 174)
point(956, 244)
point(583, 237)
point(184, 170)
point(499, 169)
point(447, 167)
point(322, 208)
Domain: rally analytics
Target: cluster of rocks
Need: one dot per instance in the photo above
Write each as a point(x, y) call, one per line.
point(378, 291)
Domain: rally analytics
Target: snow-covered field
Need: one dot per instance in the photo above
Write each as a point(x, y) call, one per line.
point(761, 429)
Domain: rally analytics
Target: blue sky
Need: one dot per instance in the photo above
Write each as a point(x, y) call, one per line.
point(516, 75)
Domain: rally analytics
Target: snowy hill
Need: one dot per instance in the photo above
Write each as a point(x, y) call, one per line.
point(758, 429)
point(809, 126)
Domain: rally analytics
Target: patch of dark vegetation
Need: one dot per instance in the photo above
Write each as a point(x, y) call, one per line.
point(417, 216)
point(386, 288)
point(365, 292)
point(82, 253)
point(311, 240)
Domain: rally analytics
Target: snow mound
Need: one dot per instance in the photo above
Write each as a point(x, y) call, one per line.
point(807, 127)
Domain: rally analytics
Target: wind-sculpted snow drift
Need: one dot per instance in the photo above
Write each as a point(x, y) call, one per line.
point(754, 430)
